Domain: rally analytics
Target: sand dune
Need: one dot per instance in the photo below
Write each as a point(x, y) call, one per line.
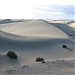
point(72, 25)
point(64, 27)
point(69, 30)
point(33, 39)
point(4, 21)
point(33, 28)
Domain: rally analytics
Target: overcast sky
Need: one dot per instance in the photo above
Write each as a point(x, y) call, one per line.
point(37, 9)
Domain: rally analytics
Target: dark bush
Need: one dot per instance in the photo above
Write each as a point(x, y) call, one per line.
point(43, 61)
point(40, 60)
point(12, 54)
point(70, 35)
point(64, 46)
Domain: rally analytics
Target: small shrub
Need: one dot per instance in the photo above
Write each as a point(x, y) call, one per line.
point(12, 54)
point(64, 46)
point(43, 61)
point(70, 35)
point(40, 60)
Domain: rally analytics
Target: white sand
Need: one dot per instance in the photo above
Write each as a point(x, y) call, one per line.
point(58, 21)
point(34, 39)
point(72, 25)
point(54, 67)
point(67, 27)
point(35, 29)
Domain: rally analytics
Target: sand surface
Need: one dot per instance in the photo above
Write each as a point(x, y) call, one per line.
point(34, 39)
point(53, 67)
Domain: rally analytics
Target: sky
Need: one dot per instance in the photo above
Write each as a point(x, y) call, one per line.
point(37, 9)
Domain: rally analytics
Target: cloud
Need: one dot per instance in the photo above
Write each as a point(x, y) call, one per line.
point(37, 9)
point(56, 11)
point(53, 15)
point(67, 9)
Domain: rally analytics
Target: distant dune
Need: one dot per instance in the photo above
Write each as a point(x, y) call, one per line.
point(72, 25)
point(4, 21)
